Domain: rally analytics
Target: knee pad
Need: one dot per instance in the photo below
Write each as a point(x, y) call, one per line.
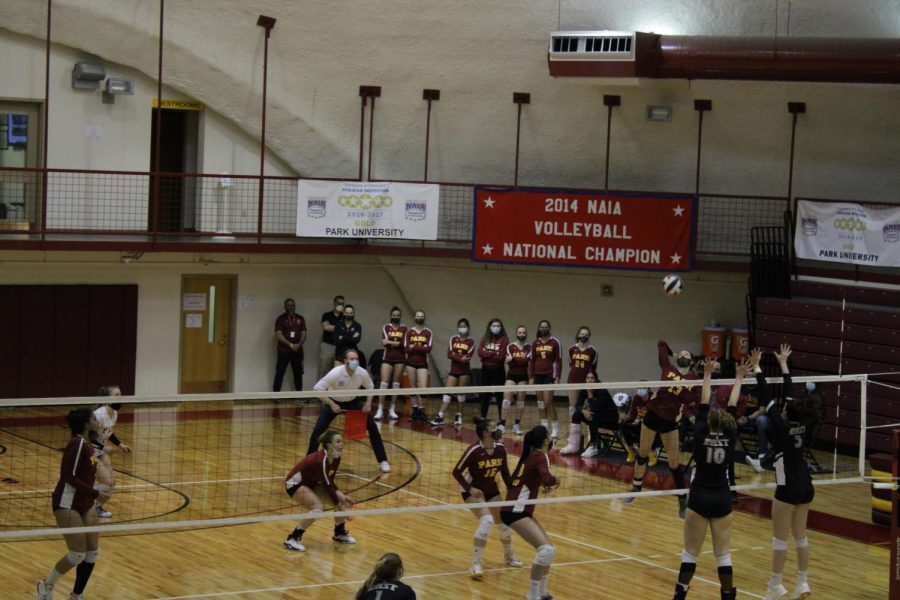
point(103, 488)
point(506, 403)
point(446, 399)
point(724, 560)
point(641, 459)
point(505, 533)
point(75, 558)
point(316, 511)
point(779, 544)
point(383, 385)
point(544, 556)
point(485, 524)
point(91, 556)
point(461, 398)
point(687, 557)
point(541, 405)
point(802, 543)
point(396, 385)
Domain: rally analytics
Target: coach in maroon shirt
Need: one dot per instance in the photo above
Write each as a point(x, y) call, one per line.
point(290, 332)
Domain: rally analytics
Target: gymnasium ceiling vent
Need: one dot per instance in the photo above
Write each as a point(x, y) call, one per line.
point(621, 57)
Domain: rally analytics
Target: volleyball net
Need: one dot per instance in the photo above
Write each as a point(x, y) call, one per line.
point(219, 459)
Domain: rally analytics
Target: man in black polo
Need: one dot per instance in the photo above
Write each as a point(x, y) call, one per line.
point(326, 349)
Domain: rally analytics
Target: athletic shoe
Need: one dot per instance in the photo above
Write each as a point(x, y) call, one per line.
point(103, 513)
point(295, 545)
point(591, 452)
point(344, 538)
point(517, 429)
point(457, 421)
point(44, 591)
point(680, 592)
point(729, 594)
point(630, 456)
point(801, 591)
point(630, 499)
point(545, 424)
point(512, 560)
point(682, 506)
point(547, 597)
point(653, 458)
point(385, 466)
point(554, 430)
point(421, 416)
point(74, 596)
point(774, 592)
point(379, 414)
point(754, 462)
point(476, 572)
point(393, 416)
point(438, 421)
point(501, 428)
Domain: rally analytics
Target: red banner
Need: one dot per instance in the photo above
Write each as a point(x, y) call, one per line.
point(585, 229)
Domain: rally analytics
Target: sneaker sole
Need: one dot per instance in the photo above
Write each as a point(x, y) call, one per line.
point(292, 549)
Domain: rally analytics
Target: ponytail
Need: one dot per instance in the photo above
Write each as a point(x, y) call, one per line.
point(481, 425)
point(387, 568)
point(535, 438)
point(720, 421)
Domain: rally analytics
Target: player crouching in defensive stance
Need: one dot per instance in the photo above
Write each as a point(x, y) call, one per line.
point(311, 484)
point(384, 582)
point(531, 475)
point(477, 472)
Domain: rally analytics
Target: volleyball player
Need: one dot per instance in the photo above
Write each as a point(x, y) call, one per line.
point(661, 418)
point(532, 474)
point(384, 582)
point(794, 490)
point(392, 363)
point(545, 367)
point(582, 360)
point(492, 352)
point(709, 501)
point(631, 427)
point(459, 351)
point(518, 357)
point(311, 485)
point(417, 346)
point(477, 472)
point(74, 505)
point(106, 416)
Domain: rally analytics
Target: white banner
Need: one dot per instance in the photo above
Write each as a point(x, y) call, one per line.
point(385, 210)
point(848, 233)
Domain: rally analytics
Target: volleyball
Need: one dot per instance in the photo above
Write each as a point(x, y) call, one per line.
point(672, 285)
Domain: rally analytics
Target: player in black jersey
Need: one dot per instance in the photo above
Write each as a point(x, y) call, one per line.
point(384, 582)
point(709, 501)
point(788, 421)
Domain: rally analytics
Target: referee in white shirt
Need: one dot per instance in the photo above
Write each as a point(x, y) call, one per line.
point(348, 377)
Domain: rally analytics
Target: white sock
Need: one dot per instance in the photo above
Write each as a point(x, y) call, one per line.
point(477, 551)
point(534, 590)
point(543, 589)
point(801, 577)
point(776, 579)
point(53, 577)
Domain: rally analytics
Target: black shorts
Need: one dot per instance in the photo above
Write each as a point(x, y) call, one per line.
point(292, 489)
point(465, 497)
point(394, 362)
point(654, 422)
point(803, 494)
point(710, 503)
point(510, 517)
point(543, 379)
point(517, 378)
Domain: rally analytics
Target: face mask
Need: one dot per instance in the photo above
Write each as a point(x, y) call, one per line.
point(353, 364)
point(642, 392)
point(395, 319)
point(497, 435)
point(521, 338)
point(348, 317)
point(463, 330)
point(583, 338)
point(420, 320)
point(544, 332)
point(289, 310)
point(496, 329)
point(683, 362)
point(810, 386)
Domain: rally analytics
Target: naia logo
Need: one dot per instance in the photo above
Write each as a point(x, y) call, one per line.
point(810, 225)
point(416, 211)
point(315, 208)
point(891, 232)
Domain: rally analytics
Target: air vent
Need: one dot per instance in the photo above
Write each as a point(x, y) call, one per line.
point(607, 44)
point(592, 45)
point(565, 44)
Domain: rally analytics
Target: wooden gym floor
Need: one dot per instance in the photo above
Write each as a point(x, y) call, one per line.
point(204, 461)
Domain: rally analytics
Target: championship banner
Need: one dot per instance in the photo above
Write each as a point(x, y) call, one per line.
point(584, 229)
point(352, 209)
point(848, 233)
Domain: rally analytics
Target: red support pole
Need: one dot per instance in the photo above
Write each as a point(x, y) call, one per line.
point(159, 116)
point(266, 23)
point(46, 124)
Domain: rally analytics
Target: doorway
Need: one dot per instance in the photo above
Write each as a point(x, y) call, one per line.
point(20, 147)
point(207, 320)
point(178, 153)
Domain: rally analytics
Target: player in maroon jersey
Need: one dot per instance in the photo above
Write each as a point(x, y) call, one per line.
point(477, 472)
point(311, 484)
point(631, 425)
point(392, 363)
point(518, 356)
point(74, 505)
point(417, 345)
point(582, 360)
point(662, 415)
point(531, 475)
point(545, 367)
point(492, 352)
point(459, 351)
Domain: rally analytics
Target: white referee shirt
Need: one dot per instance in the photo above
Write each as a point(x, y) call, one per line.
point(339, 379)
